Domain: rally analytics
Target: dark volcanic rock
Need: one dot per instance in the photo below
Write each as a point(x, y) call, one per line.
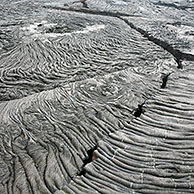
point(54, 56)
point(151, 155)
point(96, 96)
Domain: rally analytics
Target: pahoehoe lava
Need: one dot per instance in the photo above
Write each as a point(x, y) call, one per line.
point(96, 97)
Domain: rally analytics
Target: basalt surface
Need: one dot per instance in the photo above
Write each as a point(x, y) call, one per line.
point(96, 97)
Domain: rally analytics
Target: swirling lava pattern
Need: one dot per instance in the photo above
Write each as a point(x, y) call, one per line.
point(94, 102)
point(98, 46)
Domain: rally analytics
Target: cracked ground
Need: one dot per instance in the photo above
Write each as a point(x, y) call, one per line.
point(96, 97)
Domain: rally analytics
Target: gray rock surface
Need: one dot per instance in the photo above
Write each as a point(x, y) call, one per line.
point(96, 97)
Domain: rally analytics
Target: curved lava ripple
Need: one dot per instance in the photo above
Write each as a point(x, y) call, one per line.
point(96, 97)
